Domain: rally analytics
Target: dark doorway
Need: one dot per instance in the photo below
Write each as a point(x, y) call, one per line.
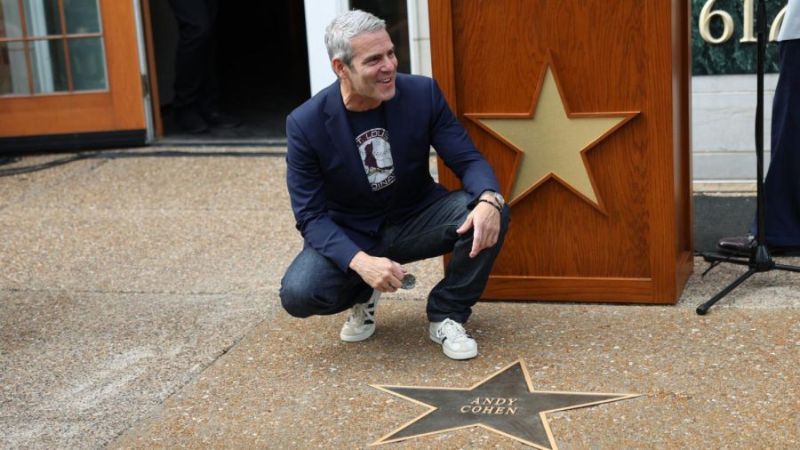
point(261, 65)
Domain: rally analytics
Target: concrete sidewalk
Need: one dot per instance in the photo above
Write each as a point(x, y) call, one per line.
point(139, 309)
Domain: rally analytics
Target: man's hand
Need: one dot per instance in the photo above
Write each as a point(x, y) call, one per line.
point(485, 219)
point(382, 274)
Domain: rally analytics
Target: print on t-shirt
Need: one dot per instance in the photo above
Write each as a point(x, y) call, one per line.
point(376, 154)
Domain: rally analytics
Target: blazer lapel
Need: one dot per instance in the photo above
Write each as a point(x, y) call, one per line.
point(342, 136)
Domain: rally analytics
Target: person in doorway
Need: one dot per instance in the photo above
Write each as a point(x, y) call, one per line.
point(782, 184)
point(364, 199)
point(195, 105)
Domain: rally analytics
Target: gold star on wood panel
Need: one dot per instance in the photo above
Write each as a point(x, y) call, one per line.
point(552, 141)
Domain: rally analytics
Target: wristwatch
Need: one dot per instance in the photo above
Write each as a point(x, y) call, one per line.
point(497, 197)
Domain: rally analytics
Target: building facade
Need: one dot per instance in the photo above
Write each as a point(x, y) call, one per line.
point(96, 73)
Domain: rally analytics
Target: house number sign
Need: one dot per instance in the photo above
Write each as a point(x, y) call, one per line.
point(708, 14)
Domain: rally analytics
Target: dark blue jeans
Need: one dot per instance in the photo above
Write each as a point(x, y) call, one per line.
point(314, 285)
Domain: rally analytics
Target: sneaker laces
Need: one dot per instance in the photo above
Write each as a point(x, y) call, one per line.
point(453, 331)
point(360, 313)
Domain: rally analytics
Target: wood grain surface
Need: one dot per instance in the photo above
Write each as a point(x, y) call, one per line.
point(628, 55)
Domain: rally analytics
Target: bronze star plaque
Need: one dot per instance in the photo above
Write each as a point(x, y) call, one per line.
point(504, 403)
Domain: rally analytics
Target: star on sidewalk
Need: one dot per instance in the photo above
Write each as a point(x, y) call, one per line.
point(504, 403)
point(552, 141)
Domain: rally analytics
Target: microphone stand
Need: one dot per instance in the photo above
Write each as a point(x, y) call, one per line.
point(760, 259)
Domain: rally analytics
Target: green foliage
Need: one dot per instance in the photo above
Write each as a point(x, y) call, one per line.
point(731, 57)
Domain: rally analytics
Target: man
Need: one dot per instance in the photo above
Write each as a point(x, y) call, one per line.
point(195, 104)
point(364, 199)
point(782, 184)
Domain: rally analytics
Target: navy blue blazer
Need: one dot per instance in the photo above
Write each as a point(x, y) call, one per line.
point(333, 203)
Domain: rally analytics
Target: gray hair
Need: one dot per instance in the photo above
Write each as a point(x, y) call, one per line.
point(344, 28)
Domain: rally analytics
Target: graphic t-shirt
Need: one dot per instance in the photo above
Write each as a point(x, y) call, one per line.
point(372, 140)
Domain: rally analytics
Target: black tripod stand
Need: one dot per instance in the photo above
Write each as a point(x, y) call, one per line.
point(760, 259)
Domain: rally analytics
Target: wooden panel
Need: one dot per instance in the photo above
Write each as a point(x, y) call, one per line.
point(569, 289)
point(610, 57)
point(440, 13)
point(120, 108)
point(152, 71)
point(682, 68)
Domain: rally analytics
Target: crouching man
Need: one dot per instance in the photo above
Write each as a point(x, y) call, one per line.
point(364, 199)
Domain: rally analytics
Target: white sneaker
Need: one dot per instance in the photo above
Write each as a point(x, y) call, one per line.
point(456, 343)
point(361, 323)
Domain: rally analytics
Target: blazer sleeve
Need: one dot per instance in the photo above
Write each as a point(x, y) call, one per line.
point(452, 143)
point(305, 181)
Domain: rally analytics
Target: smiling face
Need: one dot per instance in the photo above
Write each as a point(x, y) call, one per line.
point(370, 77)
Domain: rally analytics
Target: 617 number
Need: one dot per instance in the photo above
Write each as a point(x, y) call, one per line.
point(707, 14)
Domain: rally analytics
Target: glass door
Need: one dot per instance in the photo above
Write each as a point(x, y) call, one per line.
point(69, 66)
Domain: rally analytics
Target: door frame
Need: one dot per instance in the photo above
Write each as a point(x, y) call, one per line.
point(147, 69)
